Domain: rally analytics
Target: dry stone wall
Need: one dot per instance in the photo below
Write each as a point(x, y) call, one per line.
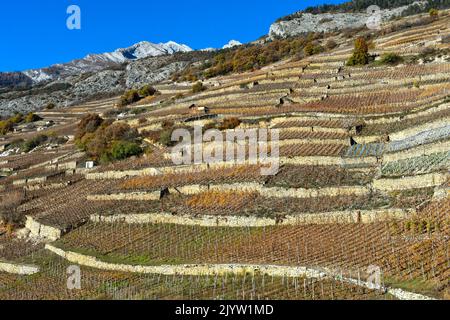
point(20, 269)
point(221, 269)
point(273, 192)
point(412, 182)
point(350, 216)
point(40, 230)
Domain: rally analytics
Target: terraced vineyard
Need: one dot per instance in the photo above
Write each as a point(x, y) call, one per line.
point(361, 184)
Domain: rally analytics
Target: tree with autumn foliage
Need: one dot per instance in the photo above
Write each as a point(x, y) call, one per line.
point(360, 54)
point(434, 14)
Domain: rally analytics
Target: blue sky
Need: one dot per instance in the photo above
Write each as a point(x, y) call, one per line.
point(33, 34)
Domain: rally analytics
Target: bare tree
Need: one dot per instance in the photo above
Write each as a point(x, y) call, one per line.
point(9, 202)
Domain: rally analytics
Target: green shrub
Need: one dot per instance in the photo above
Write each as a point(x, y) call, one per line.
point(83, 141)
point(165, 138)
point(147, 91)
point(434, 13)
point(198, 87)
point(312, 48)
point(17, 118)
point(132, 96)
point(390, 58)
point(50, 106)
point(34, 142)
point(318, 49)
point(124, 149)
point(105, 140)
point(31, 117)
point(129, 97)
point(6, 126)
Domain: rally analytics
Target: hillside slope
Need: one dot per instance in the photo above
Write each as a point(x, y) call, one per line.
point(359, 207)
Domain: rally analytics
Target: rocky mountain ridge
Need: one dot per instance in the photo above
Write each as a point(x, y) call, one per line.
point(77, 88)
point(91, 63)
point(326, 22)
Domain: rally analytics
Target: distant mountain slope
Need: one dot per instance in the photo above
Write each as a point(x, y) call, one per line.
point(91, 63)
point(140, 50)
point(16, 79)
point(84, 86)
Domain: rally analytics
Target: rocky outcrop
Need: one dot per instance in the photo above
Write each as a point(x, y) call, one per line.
point(71, 91)
point(106, 82)
point(152, 70)
point(326, 22)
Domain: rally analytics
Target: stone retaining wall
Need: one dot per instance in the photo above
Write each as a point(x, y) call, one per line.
point(139, 196)
point(186, 269)
point(209, 146)
point(29, 181)
point(20, 269)
point(350, 216)
point(317, 129)
point(299, 160)
point(121, 174)
point(418, 151)
point(400, 135)
point(40, 230)
point(329, 161)
point(50, 186)
point(221, 269)
point(378, 120)
point(273, 192)
point(413, 182)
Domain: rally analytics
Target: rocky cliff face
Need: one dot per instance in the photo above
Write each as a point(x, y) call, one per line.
point(158, 69)
point(14, 79)
point(307, 22)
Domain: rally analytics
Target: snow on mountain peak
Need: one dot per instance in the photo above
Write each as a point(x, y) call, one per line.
point(145, 49)
point(95, 62)
point(173, 47)
point(231, 44)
